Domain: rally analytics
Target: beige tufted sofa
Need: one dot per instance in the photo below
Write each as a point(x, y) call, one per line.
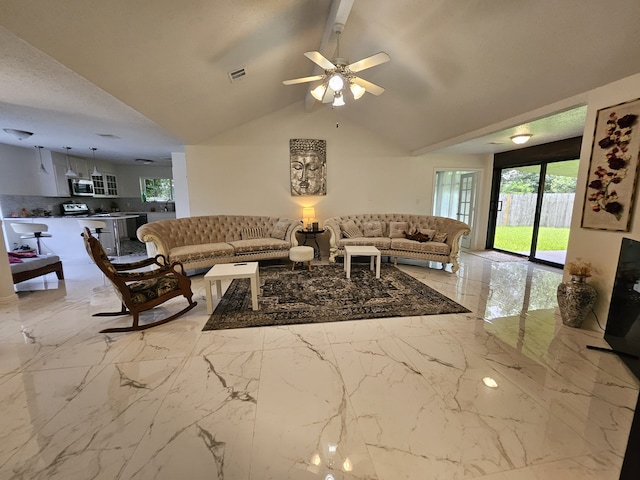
point(438, 251)
point(200, 242)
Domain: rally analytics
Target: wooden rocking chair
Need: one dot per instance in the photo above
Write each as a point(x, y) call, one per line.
point(140, 290)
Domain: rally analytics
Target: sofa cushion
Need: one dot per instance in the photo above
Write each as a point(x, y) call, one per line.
point(280, 230)
point(418, 237)
point(373, 229)
point(251, 233)
point(350, 229)
point(259, 245)
point(382, 243)
point(424, 247)
point(191, 253)
point(430, 232)
point(398, 229)
point(439, 237)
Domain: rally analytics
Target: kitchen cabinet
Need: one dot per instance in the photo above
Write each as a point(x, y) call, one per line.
point(61, 180)
point(105, 185)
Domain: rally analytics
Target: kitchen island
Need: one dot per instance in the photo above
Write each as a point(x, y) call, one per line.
point(66, 240)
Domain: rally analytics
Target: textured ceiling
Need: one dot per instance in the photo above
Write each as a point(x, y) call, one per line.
point(155, 73)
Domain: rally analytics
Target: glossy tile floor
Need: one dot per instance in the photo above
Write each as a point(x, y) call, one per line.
point(399, 398)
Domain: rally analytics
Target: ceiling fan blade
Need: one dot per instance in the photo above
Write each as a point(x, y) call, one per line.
point(368, 86)
point(295, 81)
point(369, 62)
point(320, 60)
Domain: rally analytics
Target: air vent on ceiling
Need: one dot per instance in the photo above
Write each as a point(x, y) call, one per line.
point(494, 143)
point(237, 74)
point(108, 135)
point(144, 161)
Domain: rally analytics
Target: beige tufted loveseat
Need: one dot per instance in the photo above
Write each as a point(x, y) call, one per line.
point(200, 242)
point(445, 251)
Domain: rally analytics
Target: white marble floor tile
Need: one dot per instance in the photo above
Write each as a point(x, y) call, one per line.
point(380, 399)
point(305, 426)
point(204, 427)
point(97, 431)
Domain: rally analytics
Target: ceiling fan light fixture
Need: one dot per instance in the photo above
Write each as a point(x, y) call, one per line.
point(521, 138)
point(338, 100)
point(336, 83)
point(357, 90)
point(319, 91)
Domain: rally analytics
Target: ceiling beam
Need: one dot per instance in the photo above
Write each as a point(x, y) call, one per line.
point(339, 12)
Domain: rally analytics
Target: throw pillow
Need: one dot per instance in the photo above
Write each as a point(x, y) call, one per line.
point(350, 229)
point(280, 230)
point(428, 232)
point(440, 237)
point(398, 229)
point(372, 229)
point(418, 237)
point(251, 233)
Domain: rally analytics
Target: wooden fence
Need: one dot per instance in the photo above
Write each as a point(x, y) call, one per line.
point(519, 209)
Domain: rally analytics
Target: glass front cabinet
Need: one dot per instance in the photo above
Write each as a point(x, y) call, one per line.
point(105, 185)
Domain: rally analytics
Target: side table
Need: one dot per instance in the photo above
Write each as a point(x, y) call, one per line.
point(310, 238)
point(228, 271)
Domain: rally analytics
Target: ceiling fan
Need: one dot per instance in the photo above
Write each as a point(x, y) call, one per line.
point(339, 75)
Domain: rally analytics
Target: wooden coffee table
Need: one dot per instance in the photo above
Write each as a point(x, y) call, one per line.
point(358, 251)
point(229, 271)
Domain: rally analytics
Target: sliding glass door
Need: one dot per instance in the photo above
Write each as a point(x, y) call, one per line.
point(532, 210)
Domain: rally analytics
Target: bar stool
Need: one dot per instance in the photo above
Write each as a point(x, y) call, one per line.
point(32, 230)
point(96, 227)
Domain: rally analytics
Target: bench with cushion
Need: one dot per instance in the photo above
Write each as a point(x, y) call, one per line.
point(34, 267)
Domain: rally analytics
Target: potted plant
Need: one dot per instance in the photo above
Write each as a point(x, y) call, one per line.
point(576, 297)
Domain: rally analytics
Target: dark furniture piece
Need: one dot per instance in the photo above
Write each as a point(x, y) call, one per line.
point(32, 268)
point(312, 236)
point(140, 290)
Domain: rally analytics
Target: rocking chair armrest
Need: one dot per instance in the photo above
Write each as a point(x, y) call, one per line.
point(146, 275)
point(173, 266)
point(141, 263)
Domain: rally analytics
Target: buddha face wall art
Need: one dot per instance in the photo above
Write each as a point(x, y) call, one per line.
point(308, 166)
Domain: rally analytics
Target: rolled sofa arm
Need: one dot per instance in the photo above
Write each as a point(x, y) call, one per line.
point(334, 235)
point(158, 247)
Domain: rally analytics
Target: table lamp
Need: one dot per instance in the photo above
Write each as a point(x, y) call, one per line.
point(308, 215)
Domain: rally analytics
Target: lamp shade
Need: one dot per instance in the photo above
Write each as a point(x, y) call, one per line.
point(319, 91)
point(309, 213)
point(357, 91)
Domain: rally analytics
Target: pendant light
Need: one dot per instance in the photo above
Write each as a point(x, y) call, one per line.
point(70, 173)
point(41, 170)
point(96, 172)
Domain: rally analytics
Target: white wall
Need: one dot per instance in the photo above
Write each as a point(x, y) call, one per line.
point(601, 248)
point(246, 170)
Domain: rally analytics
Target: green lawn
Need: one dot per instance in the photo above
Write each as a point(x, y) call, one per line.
point(518, 239)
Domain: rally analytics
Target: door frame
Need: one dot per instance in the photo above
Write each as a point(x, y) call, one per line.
point(542, 155)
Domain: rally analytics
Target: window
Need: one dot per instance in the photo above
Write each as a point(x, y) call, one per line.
point(156, 189)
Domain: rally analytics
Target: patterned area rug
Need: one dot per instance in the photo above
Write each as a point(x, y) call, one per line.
point(326, 295)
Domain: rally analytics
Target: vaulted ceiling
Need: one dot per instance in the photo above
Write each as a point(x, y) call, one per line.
point(140, 79)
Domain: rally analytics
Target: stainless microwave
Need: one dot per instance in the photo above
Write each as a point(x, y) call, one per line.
point(81, 187)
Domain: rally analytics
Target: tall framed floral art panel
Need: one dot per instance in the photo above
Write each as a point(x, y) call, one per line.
point(613, 168)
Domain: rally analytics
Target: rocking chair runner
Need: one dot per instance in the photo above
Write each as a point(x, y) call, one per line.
point(140, 291)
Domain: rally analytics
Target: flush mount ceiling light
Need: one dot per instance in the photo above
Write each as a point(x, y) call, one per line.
point(521, 138)
point(96, 172)
point(19, 134)
point(70, 173)
point(144, 161)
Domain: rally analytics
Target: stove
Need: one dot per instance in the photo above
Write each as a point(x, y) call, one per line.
point(75, 209)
